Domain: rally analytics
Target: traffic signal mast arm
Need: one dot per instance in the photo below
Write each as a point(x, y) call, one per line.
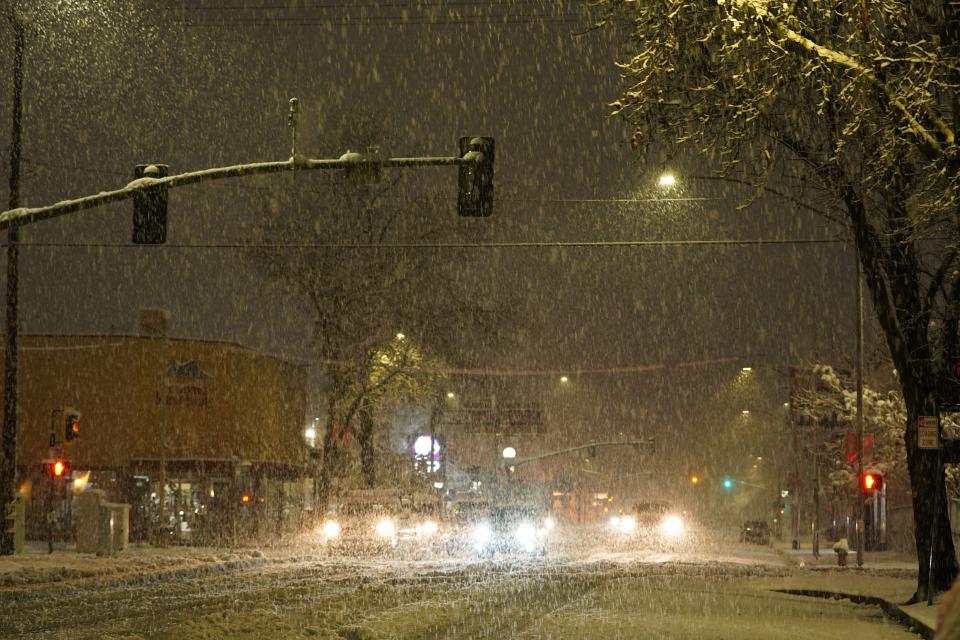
point(26, 215)
point(616, 443)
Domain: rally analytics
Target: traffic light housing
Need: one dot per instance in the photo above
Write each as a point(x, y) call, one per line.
point(872, 481)
point(150, 206)
point(71, 426)
point(57, 468)
point(475, 178)
point(727, 484)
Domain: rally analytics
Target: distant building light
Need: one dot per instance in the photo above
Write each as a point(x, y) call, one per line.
point(400, 336)
point(667, 180)
point(422, 445)
point(745, 412)
point(746, 370)
point(564, 379)
point(451, 394)
point(438, 485)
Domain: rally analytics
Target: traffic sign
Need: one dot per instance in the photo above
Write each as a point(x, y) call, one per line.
point(928, 435)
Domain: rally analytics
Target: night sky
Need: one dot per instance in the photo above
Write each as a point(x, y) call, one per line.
point(208, 85)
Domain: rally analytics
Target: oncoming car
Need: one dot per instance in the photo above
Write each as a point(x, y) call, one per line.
point(510, 529)
point(651, 523)
point(375, 521)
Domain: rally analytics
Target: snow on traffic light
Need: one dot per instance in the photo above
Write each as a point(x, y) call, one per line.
point(150, 206)
point(475, 179)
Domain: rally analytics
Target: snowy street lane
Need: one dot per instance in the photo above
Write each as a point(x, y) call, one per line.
point(618, 595)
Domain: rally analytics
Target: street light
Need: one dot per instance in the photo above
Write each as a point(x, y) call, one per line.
point(667, 179)
point(509, 453)
point(564, 379)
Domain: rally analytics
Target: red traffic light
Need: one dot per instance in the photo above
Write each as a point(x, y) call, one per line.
point(872, 481)
point(58, 468)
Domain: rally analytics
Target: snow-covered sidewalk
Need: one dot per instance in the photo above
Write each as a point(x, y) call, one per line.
point(886, 576)
point(36, 566)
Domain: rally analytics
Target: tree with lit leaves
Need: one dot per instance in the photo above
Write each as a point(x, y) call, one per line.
point(851, 104)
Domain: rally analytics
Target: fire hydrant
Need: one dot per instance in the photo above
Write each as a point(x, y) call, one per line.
point(841, 548)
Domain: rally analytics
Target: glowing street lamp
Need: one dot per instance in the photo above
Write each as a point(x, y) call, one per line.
point(509, 453)
point(667, 180)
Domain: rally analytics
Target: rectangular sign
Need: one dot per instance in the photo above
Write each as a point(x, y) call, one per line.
point(928, 437)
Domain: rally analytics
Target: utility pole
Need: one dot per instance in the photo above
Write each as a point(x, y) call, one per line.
point(8, 473)
point(860, 496)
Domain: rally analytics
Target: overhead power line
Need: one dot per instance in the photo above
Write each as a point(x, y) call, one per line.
point(357, 246)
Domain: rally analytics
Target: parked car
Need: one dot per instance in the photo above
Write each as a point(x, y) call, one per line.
point(755, 531)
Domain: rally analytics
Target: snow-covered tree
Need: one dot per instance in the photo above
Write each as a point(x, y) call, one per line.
point(853, 106)
point(329, 230)
point(831, 406)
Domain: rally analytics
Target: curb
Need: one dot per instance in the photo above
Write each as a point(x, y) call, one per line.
point(891, 610)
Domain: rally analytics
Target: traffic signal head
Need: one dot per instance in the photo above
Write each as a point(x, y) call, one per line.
point(694, 479)
point(71, 426)
point(727, 484)
point(872, 481)
point(150, 206)
point(475, 178)
point(58, 468)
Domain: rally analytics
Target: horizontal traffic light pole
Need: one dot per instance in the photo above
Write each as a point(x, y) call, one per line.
point(26, 215)
point(514, 462)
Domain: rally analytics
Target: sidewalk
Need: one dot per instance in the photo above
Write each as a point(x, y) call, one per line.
point(36, 566)
point(887, 579)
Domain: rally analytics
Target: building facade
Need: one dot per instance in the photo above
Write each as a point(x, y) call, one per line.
point(204, 439)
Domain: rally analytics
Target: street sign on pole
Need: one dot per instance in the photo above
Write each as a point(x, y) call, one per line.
point(928, 436)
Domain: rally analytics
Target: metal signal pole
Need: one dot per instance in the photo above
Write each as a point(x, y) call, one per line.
point(860, 495)
point(8, 472)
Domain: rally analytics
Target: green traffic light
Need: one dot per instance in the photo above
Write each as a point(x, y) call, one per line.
point(728, 484)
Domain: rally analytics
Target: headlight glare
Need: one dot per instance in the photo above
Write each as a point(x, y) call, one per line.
point(672, 526)
point(386, 528)
point(481, 533)
point(526, 533)
point(331, 529)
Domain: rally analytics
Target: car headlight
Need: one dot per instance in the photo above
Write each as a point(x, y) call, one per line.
point(386, 528)
point(672, 526)
point(549, 523)
point(615, 522)
point(628, 524)
point(481, 533)
point(331, 529)
point(427, 528)
point(526, 533)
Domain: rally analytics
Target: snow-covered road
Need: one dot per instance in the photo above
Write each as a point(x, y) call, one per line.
point(573, 593)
